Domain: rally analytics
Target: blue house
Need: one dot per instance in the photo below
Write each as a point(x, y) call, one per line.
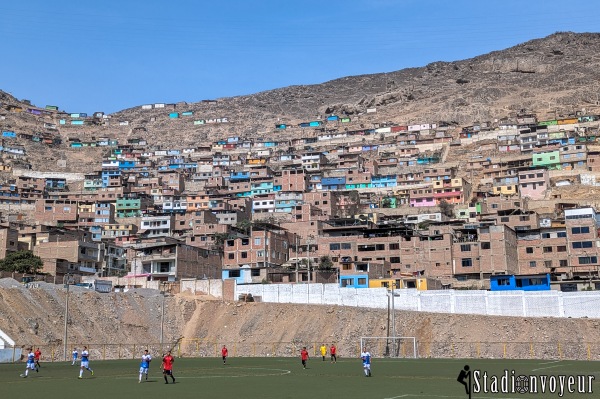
point(333, 183)
point(354, 281)
point(126, 165)
point(236, 176)
point(528, 282)
point(384, 181)
point(241, 276)
point(262, 188)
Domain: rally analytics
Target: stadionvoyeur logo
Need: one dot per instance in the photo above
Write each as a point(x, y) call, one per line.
point(513, 382)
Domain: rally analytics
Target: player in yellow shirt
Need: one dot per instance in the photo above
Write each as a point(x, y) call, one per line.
point(323, 350)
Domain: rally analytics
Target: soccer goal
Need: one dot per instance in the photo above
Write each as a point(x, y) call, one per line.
point(393, 347)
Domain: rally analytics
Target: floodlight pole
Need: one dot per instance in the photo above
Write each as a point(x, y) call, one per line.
point(162, 317)
point(66, 279)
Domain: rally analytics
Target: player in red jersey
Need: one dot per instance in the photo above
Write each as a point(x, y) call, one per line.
point(37, 355)
point(224, 353)
point(333, 353)
point(304, 356)
point(167, 367)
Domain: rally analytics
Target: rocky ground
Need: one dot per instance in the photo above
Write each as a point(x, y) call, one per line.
point(118, 324)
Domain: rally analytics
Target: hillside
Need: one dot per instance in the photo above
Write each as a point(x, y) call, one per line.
point(552, 76)
point(35, 316)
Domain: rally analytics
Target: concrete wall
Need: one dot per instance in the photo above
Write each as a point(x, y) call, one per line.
point(512, 303)
point(70, 177)
point(211, 287)
point(10, 355)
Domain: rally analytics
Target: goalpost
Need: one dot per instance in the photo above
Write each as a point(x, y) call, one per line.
point(392, 347)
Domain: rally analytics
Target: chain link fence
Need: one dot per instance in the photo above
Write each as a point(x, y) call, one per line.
point(425, 349)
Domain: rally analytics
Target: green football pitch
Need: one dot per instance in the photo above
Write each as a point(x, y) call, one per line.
point(283, 378)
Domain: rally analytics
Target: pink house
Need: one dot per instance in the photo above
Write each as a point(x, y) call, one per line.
point(534, 183)
point(422, 197)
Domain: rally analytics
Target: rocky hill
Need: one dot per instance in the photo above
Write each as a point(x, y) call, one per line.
point(553, 76)
point(115, 324)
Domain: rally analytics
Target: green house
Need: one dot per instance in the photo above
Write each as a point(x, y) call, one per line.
point(548, 160)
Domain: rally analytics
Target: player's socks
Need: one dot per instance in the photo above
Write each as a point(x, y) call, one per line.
point(80, 373)
point(26, 372)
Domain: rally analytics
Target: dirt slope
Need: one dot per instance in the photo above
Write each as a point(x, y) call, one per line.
point(36, 316)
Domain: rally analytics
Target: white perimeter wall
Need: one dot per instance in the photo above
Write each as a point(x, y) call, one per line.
point(511, 303)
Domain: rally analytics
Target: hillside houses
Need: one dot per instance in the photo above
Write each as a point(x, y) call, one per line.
point(366, 203)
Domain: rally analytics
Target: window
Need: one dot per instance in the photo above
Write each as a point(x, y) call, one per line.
point(485, 245)
point(580, 230)
point(465, 247)
point(395, 259)
point(563, 263)
point(362, 281)
point(234, 273)
point(394, 246)
point(230, 243)
point(260, 254)
point(244, 255)
point(581, 244)
point(255, 272)
point(504, 219)
point(346, 245)
point(231, 255)
point(547, 263)
point(532, 263)
point(257, 241)
point(529, 250)
point(561, 248)
point(561, 234)
point(379, 247)
point(588, 260)
point(503, 281)
point(547, 250)
point(334, 247)
point(467, 262)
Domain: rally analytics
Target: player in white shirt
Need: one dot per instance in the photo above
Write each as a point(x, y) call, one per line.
point(85, 362)
point(30, 362)
point(145, 365)
point(75, 354)
point(366, 359)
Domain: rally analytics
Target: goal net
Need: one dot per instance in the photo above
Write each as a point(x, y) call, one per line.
point(393, 347)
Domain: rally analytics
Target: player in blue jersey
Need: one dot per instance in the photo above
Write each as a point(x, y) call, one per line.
point(75, 354)
point(366, 359)
point(30, 362)
point(145, 365)
point(85, 362)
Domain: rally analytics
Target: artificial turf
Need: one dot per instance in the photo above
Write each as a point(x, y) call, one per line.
point(278, 378)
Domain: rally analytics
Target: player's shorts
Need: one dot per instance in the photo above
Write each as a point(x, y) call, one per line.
point(85, 363)
point(367, 365)
point(144, 370)
point(168, 372)
point(31, 366)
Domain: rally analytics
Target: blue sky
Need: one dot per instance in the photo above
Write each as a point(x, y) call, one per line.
point(88, 56)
